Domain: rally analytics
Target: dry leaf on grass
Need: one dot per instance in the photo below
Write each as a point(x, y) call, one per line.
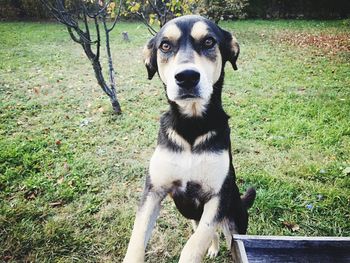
point(326, 43)
point(291, 226)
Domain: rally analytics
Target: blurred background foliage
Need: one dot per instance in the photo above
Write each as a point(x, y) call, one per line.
point(214, 9)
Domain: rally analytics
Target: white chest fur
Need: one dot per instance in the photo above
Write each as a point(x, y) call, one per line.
point(208, 169)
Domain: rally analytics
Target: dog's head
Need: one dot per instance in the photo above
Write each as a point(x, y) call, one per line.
point(189, 53)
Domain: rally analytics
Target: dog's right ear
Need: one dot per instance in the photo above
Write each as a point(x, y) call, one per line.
point(150, 57)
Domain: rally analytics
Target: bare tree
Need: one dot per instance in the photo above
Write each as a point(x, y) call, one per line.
point(96, 12)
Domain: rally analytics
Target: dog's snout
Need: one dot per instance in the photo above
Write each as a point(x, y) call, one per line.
point(187, 78)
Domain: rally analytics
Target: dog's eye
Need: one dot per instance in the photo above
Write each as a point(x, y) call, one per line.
point(209, 42)
point(165, 46)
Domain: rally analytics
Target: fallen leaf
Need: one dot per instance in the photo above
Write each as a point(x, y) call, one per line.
point(31, 195)
point(346, 171)
point(329, 44)
point(295, 228)
point(66, 166)
point(291, 226)
point(58, 142)
point(60, 180)
point(36, 90)
point(56, 204)
point(8, 258)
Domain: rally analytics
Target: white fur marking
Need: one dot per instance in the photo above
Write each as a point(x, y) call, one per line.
point(178, 139)
point(143, 225)
point(199, 242)
point(203, 138)
point(208, 169)
point(210, 69)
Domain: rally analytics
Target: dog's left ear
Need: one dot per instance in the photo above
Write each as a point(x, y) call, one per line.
point(230, 49)
point(150, 58)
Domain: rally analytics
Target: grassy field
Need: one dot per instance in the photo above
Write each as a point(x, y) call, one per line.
point(71, 172)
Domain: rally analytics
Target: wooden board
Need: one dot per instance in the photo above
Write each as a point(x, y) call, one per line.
point(278, 249)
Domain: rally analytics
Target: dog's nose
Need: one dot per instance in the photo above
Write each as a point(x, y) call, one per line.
point(187, 79)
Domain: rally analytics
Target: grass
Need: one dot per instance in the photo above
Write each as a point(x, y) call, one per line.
point(71, 172)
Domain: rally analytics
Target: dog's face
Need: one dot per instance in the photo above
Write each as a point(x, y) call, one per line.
point(189, 54)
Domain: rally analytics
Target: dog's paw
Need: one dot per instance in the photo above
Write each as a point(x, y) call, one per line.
point(137, 258)
point(213, 250)
point(188, 258)
point(190, 254)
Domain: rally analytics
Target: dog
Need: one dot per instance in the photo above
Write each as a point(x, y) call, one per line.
point(192, 161)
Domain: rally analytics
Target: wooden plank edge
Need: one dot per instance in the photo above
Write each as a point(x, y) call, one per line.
point(238, 252)
point(252, 241)
point(246, 237)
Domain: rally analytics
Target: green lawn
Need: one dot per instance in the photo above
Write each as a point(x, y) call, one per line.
point(71, 172)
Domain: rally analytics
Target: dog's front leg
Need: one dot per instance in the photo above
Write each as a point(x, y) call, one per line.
point(199, 242)
point(145, 219)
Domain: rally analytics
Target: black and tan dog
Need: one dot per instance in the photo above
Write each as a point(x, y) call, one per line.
point(192, 162)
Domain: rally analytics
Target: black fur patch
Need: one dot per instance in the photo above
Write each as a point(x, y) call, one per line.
point(231, 206)
point(190, 202)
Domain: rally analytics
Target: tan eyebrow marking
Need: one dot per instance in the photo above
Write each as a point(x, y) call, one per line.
point(172, 32)
point(199, 30)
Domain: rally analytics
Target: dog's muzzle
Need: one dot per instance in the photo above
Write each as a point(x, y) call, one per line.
point(188, 80)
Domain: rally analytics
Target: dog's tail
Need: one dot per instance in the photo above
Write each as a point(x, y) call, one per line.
point(249, 197)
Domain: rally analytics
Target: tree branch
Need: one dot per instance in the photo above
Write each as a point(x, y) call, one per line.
point(117, 16)
point(83, 37)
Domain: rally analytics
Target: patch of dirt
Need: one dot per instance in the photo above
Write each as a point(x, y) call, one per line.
point(325, 43)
